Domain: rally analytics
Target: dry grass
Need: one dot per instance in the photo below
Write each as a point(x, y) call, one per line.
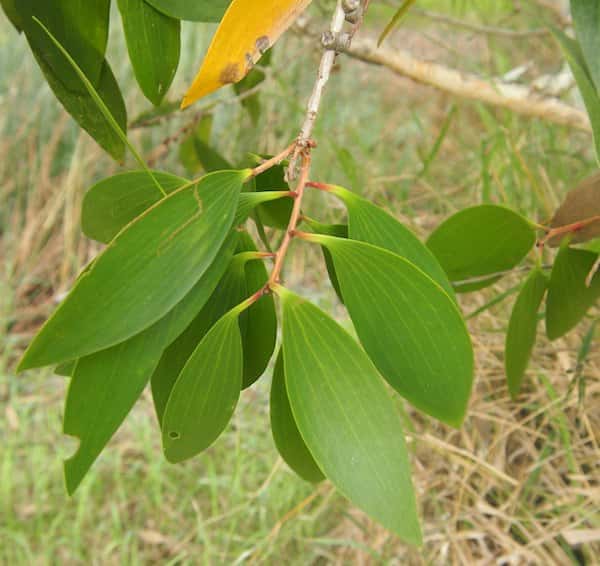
point(519, 483)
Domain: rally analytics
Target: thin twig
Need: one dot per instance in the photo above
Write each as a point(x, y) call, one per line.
point(314, 103)
point(520, 99)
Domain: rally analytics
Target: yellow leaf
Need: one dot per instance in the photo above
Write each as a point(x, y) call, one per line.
point(247, 30)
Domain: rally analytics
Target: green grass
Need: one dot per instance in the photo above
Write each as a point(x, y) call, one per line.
point(419, 153)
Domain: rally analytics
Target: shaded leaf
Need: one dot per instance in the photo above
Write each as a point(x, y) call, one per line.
point(193, 10)
point(481, 241)
point(286, 435)
point(230, 290)
point(246, 32)
point(574, 57)
point(12, 13)
point(259, 333)
point(254, 78)
point(346, 417)
point(339, 231)
point(153, 42)
point(373, 225)
point(106, 385)
point(522, 328)
point(82, 107)
point(80, 26)
point(275, 214)
point(409, 326)
point(187, 149)
point(114, 202)
point(581, 204)
point(569, 298)
point(206, 392)
point(586, 18)
point(66, 369)
point(179, 235)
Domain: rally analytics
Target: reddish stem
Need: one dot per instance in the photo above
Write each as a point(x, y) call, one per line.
point(275, 277)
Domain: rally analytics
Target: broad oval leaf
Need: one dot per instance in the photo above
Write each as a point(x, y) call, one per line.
point(259, 330)
point(522, 328)
point(153, 42)
point(114, 202)
point(286, 435)
point(192, 10)
point(409, 326)
point(373, 225)
point(481, 241)
point(346, 417)
point(129, 286)
point(206, 392)
point(581, 206)
point(581, 72)
point(569, 298)
point(106, 385)
point(80, 26)
point(246, 32)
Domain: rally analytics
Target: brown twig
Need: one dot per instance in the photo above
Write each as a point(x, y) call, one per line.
point(293, 224)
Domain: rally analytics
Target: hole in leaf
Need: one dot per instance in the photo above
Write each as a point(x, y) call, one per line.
point(174, 435)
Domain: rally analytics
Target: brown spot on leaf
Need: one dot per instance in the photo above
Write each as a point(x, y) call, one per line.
point(262, 44)
point(230, 74)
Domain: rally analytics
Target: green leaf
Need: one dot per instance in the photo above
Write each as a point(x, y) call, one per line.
point(286, 435)
point(82, 107)
point(195, 152)
point(210, 159)
point(249, 201)
point(276, 214)
point(586, 18)
point(187, 149)
point(371, 224)
point(228, 293)
point(569, 298)
point(114, 202)
point(106, 385)
point(409, 326)
point(259, 330)
point(583, 77)
point(254, 78)
point(396, 19)
point(12, 13)
point(153, 42)
point(522, 329)
point(481, 241)
point(193, 10)
point(206, 392)
point(80, 26)
point(66, 369)
point(130, 285)
point(346, 417)
point(339, 231)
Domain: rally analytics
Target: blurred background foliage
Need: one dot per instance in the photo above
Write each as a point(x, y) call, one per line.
point(519, 482)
